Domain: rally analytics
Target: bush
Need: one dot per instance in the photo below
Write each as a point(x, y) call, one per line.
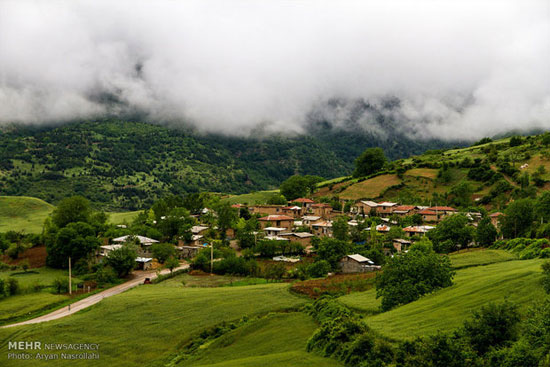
point(546, 276)
point(60, 285)
point(12, 286)
point(105, 275)
point(2, 287)
point(319, 269)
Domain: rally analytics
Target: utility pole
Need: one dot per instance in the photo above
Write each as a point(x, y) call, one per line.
point(70, 282)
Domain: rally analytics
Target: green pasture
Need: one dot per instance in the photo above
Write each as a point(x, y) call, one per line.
point(21, 213)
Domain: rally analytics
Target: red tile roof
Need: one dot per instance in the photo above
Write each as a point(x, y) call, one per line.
point(302, 200)
point(321, 205)
point(443, 208)
point(497, 214)
point(276, 217)
point(427, 212)
point(403, 208)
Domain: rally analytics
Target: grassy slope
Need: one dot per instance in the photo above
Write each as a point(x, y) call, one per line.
point(446, 309)
point(123, 217)
point(21, 213)
point(148, 323)
point(275, 340)
point(476, 257)
point(253, 198)
point(370, 188)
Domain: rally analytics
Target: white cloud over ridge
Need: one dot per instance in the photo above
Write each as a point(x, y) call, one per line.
point(462, 69)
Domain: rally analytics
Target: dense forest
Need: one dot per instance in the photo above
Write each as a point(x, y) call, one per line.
point(121, 164)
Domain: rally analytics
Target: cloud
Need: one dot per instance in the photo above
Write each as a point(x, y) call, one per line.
point(460, 69)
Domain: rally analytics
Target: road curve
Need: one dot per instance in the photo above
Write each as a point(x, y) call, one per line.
point(92, 300)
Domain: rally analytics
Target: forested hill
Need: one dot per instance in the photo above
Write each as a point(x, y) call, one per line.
point(129, 164)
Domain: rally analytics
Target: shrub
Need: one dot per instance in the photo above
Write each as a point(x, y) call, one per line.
point(105, 275)
point(546, 276)
point(12, 286)
point(60, 285)
point(2, 287)
point(318, 269)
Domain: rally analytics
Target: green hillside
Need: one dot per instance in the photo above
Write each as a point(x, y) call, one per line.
point(128, 165)
point(23, 213)
point(148, 324)
point(487, 174)
point(446, 309)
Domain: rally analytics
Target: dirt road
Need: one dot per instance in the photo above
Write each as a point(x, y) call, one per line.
point(92, 300)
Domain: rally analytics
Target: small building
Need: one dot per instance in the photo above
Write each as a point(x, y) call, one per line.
point(145, 243)
point(357, 264)
point(199, 230)
point(364, 207)
point(188, 252)
point(321, 210)
point(303, 202)
point(274, 231)
point(106, 249)
point(308, 220)
point(411, 231)
point(429, 216)
point(404, 210)
point(303, 238)
point(292, 211)
point(322, 229)
point(144, 263)
point(266, 209)
point(496, 218)
point(385, 208)
point(400, 244)
point(281, 221)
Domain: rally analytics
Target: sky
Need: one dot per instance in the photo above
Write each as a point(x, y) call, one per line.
point(461, 69)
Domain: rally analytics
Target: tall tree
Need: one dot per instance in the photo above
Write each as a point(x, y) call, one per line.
point(370, 161)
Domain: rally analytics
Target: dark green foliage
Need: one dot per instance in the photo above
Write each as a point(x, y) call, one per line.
point(2, 288)
point(163, 251)
point(483, 141)
point(318, 269)
point(12, 286)
point(123, 259)
point(461, 194)
point(332, 250)
point(370, 161)
point(546, 276)
point(525, 248)
point(299, 186)
point(171, 263)
point(492, 327)
point(274, 271)
point(76, 240)
point(60, 285)
point(486, 233)
point(73, 209)
point(408, 276)
point(482, 173)
point(340, 228)
point(516, 141)
point(519, 219)
point(455, 229)
point(106, 275)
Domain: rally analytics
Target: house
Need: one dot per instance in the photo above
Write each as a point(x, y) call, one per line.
point(144, 263)
point(303, 238)
point(308, 220)
point(266, 209)
point(400, 244)
point(385, 208)
point(188, 252)
point(322, 229)
point(303, 202)
point(357, 264)
point(321, 210)
point(428, 215)
point(281, 221)
point(145, 243)
point(417, 230)
point(436, 213)
point(274, 231)
point(106, 249)
point(404, 210)
point(199, 230)
point(382, 228)
point(496, 218)
point(364, 207)
point(292, 211)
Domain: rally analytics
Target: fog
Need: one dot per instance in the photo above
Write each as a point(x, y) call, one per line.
point(460, 69)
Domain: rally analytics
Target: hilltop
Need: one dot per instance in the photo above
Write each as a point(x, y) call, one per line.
point(128, 165)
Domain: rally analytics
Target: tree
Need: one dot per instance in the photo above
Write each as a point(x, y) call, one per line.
point(542, 207)
point(407, 276)
point(340, 228)
point(163, 251)
point(275, 271)
point(73, 209)
point(453, 228)
point(370, 161)
point(177, 223)
point(123, 259)
point(227, 217)
point(299, 186)
point(171, 263)
point(318, 269)
point(519, 219)
point(546, 276)
point(76, 240)
point(332, 250)
point(462, 194)
point(486, 233)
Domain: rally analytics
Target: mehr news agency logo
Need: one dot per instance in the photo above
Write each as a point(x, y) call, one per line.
point(35, 350)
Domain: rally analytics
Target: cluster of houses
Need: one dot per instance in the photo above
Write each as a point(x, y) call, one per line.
point(304, 219)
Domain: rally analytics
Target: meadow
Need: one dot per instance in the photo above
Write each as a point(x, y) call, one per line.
point(446, 309)
point(21, 213)
point(479, 256)
point(123, 217)
point(253, 198)
point(147, 325)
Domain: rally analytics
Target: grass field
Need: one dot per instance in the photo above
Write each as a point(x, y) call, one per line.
point(145, 325)
point(27, 305)
point(446, 309)
point(370, 188)
point(274, 340)
point(253, 198)
point(476, 257)
point(422, 172)
point(21, 213)
point(123, 217)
